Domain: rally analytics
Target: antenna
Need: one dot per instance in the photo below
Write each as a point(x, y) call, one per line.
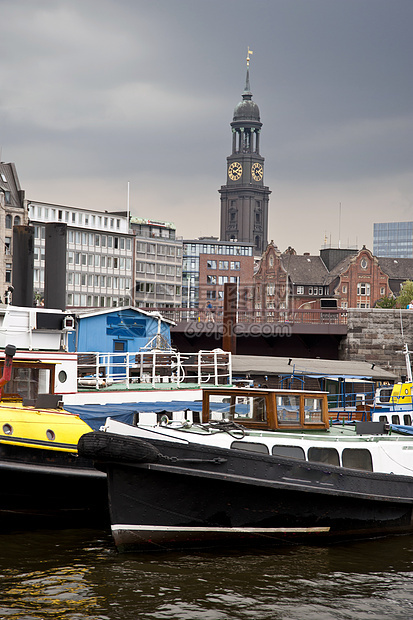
point(339, 225)
point(127, 204)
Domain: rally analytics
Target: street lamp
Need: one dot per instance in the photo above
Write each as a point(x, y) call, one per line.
point(307, 302)
point(303, 304)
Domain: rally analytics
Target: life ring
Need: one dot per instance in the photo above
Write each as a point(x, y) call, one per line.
point(102, 446)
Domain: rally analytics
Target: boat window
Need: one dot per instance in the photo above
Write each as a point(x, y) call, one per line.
point(324, 455)
point(313, 412)
point(248, 408)
point(250, 447)
point(383, 418)
point(288, 409)
point(357, 458)
point(28, 382)
point(291, 452)
point(385, 394)
point(407, 419)
point(395, 419)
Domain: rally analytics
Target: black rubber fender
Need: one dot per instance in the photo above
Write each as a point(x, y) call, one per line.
point(101, 446)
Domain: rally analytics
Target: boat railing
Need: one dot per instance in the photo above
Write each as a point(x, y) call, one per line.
point(98, 370)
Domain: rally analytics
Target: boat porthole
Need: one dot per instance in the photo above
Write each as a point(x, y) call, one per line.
point(50, 434)
point(62, 376)
point(406, 391)
point(7, 429)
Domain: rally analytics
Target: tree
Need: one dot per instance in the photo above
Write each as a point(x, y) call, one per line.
point(406, 294)
point(386, 302)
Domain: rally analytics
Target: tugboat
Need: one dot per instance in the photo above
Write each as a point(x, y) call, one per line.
point(48, 484)
point(262, 467)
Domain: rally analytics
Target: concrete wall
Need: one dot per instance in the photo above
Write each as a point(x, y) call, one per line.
point(375, 336)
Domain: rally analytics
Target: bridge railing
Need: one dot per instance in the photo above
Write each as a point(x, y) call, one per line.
point(268, 315)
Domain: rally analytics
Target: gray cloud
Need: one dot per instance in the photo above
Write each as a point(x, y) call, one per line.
point(96, 93)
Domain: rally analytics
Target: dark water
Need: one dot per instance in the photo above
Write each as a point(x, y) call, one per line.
point(77, 575)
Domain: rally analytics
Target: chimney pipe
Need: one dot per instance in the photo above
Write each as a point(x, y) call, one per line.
point(55, 266)
point(23, 261)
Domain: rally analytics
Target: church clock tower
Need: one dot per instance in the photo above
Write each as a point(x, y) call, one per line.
point(244, 198)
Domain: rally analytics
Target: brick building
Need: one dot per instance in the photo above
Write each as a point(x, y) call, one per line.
point(355, 278)
point(290, 281)
point(14, 213)
point(208, 264)
point(358, 281)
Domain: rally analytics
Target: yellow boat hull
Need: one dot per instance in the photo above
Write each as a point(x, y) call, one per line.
point(50, 429)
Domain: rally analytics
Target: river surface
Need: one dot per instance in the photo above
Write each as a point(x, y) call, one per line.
point(78, 575)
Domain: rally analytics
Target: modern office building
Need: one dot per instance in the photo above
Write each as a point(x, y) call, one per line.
point(393, 239)
point(99, 256)
point(158, 264)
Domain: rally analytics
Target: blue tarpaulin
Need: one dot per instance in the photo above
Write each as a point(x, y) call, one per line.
point(95, 415)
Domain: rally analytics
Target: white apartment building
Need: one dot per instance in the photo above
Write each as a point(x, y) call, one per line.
point(99, 256)
point(158, 265)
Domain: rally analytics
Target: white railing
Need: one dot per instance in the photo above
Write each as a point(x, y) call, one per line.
point(98, 370)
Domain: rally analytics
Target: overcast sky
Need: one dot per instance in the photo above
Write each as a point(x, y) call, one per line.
point(98, 93)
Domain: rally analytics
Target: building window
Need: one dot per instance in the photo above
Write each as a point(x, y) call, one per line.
point(8, 221)
point(235, 265)
point(364, 263)
point(211, 264)
point(223, 264)
point(161, 250)
point(211, 279)
point(344, 288)
point(222, 280)
point(211, 294)
point(363, 289)
point(8, 272)
point(382, 290)
point(17, 220)
point(270, 289)
point(300, 290)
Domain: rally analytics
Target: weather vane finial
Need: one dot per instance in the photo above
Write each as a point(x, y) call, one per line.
point(248, 56)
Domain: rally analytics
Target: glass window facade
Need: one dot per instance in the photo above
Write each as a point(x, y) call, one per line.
point(393, 239)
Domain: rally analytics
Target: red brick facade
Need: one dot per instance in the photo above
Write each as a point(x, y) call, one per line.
point(286, 280)
point(217, 269)
point(362, 283)
point(270, 282)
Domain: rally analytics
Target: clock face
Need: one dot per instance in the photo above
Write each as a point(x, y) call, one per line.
point(256, 171)
point(235, 171)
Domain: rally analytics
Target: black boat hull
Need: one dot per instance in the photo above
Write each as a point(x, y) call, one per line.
point(50, 489)
point(197, 496)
